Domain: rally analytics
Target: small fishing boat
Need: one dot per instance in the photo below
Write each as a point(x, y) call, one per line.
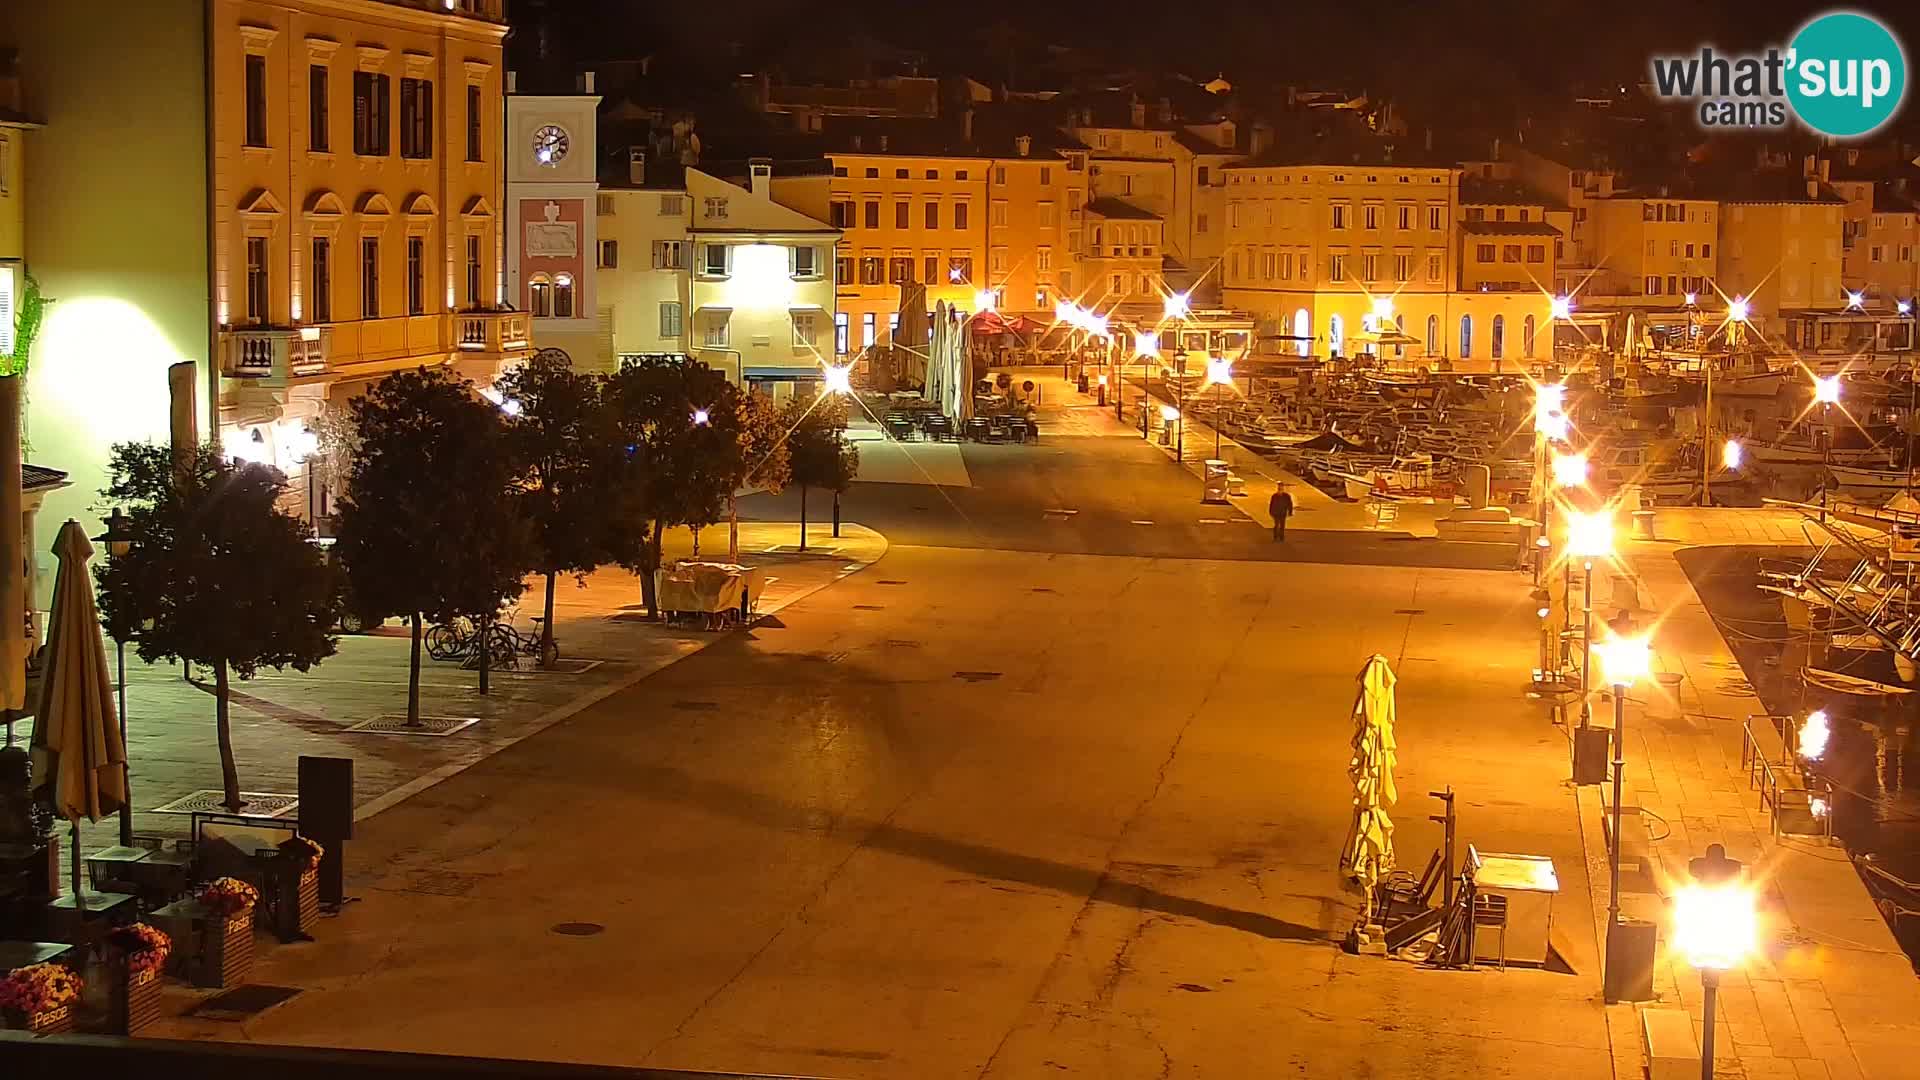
point(1867, 479)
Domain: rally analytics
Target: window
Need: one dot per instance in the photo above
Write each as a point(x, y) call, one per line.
point(416, 276)
point(1336, 268)
point(256, 100)
point(1536, 253)
point(416, 118)
point(873, 174)
point(257, 299)
point(843, 270)
point(999, 209)
point(609, 254)
point(1706, 251)
point(670, 254)
point(866, 330)
point(933, 215)
point(1499, 343)
point(839, 170)
point(805, 329)
point(806, 262)
point(473, 271)
point(1436, 218)
point(1200, 223)
point(713, 334)
point(960, 215)
point(899, 270)
point(672, 205)
point(840, 214)
point(1336, 335)
point(840, 333)
point(1475, 213)
point(933, 174)
point(475, 128)
point(1046, 174)
point(903, 215)
point(1372, 213)
point(1500, 214)
point(717, 258)
point(317, 108)
point(997, 261)
point(1672, 286)
point(320, 284)
point(872, 217)
point(1510, 253)
point(714, 207)
point(1199, 176)
point(893, 325)
point(1403, 268)
point(959, 174)
point(669, 318)
point(369, 277)
point(1466, 337)
point(1046, 215)
point(603, 206)
point(1526, 337)
point(872, 270)
point(1433, 267)
point(1043, 260)
point(1876, 253)
point(1339, 215)
point(1652, 285)
point(1000, 175)
point(1119, 285)
point(1689, 251)
point(1483, 252)
point(1433, 334)
point(1369, 267)
point(1406, 217)
point(372, 98)
point(540, 297)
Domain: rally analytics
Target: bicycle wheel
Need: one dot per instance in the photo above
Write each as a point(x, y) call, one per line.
point(503, 646)
point(443, 642)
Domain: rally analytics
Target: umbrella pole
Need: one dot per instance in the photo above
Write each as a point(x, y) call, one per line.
point(79, 898)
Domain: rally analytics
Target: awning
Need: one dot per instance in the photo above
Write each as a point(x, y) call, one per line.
point(791, 374)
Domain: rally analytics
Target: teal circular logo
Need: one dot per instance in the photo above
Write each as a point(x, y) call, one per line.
point(1846, 74)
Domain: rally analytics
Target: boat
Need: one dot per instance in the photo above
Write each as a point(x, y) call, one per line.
point(1403, 478)
point(1866, 479)
point(1796, 452)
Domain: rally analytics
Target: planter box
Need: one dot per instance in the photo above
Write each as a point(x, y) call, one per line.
point(51, 1022)
point(134, 1000)
point(299, 906)
point(226, 950)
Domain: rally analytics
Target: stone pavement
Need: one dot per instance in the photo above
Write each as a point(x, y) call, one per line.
point(1830, 995)
point(606, 645)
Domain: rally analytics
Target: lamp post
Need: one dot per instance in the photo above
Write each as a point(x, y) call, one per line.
point(1715, 926)
point(1589, 537)
point(1146, 345)
point(1626, 661)
point(1180, 396)
point(1826, 391)
point(119, 540)
point(1219, 374)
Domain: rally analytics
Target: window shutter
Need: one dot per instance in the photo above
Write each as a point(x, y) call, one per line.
point(362, 101)
point(7, 285)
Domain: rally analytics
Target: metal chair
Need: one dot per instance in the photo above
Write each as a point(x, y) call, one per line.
point(977, 429)
point(1491, 911)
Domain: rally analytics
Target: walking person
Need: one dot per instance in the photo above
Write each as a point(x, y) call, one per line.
point(1281, 508)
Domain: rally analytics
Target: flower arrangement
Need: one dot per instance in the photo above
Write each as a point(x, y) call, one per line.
point(303, 851)
point(229, 896)
point(145, 948)
point(39, 988)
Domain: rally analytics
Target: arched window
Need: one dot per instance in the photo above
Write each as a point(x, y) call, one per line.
point(1433, 335)
point(540, 292)
point(1303, 331)
point(563, 296)
point(1466, 336)
point(1096, 238)
point(1499, 336)
point(1336, 335)
point(1400, 324)
point(1526, 338)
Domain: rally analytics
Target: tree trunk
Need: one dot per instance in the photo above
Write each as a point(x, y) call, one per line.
point(485, 651)
point(229, 773)
point(733, 529)
point(803, 517)
point(547, 651)
point(836, 515)
point(651, 563)
point(413, 677)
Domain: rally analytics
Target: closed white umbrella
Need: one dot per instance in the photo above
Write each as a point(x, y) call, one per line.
point(1368, 855)
point(79, 760)
point(963, 363)
point(935, 368)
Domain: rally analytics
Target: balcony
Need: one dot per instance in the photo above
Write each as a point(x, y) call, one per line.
point(491, 332)
point(274, 355)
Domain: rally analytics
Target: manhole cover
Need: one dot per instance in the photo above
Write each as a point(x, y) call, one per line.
point(902, 643)
point(869, 607)
point(1041, 588)
point(578, 929)
point(243, 1002)
point(825, 657)
point(441, 883)
point(977, 676)
point(396, 724)
point(1409, 611)
point(213, 801)
point(890, 581)
point(696, 706)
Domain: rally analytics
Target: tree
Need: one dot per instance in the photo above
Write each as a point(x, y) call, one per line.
point(430, 525)
point(565, 438)
point(685, 430)
point(216, 575)
point(822, 456)
point(769, 462)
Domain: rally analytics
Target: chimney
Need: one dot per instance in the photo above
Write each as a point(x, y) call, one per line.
point(637, 165)
point(1496, 149)
point(760, 176)
point(883, 142)
point(586, 82)
point(1826, 169)
point(1429, 140)
point(1813, 188)
point(1164, 113)
point(513, 82)
point(1023, 145)
point(966, 127)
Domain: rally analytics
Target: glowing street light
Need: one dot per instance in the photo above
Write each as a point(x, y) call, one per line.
point(1732, 453)
point(1814, 733)
point(1383, 309)
point(1590, 536)
point(1561, 307)
point(1693, 299)
point(1555, 427)
point(1715, 926)
point(839, 380)
point(983, 300)
point(1904, 307)
point(1569, 470)
point(1826, 389)
point(1625, 661)
point(1175, 306)
point(1219, 370)
point(1856, 301)
point(700, 418)
point(1738, 309)
point(1146, 343)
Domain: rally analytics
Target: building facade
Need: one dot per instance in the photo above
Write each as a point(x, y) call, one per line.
point(553, 244)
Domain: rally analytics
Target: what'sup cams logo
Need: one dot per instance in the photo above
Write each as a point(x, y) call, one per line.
point(1844, 75)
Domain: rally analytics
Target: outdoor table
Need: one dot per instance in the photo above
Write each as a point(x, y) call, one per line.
point(1529, 884)
point(112, 864)
point(68, 921)
point(15, 955)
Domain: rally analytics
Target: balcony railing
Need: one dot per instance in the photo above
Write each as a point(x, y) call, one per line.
point(491, 331)
point(277, 353)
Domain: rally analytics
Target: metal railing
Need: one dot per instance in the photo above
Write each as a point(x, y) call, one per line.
point(1782, 786)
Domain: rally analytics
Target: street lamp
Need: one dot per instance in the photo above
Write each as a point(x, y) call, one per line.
point(1589, 537)
point(839, 380)
point(1219, 373)
point(1715, 925)
point(1180, 394)
point(119, 541)
point(1175, 306)
point(1826, 393)
point(1625, 661)
point(1811, 742)
point(1732, 454)
point(1560, 307)
point(1569, 470)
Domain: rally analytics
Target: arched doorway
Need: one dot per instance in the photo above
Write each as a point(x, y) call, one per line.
point(1336, 334)
point(1466, 337)
point(1303, 331)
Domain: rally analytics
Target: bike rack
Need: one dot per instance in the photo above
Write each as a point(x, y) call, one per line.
point(1782, 785)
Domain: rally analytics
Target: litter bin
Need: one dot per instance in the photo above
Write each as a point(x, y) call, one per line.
point(1643, 525)
point(1665, 702)
point(1215, 481)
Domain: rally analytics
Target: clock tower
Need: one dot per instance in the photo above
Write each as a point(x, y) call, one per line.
point(553, 244)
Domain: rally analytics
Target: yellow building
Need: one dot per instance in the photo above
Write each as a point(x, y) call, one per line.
point(1331, 254)
point(1178, 175)
point(318, 214)
point(1653, 251)
point(1780, 247)
point(1880, 234)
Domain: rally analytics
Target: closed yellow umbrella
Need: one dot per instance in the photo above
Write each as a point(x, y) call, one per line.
point(79, 760)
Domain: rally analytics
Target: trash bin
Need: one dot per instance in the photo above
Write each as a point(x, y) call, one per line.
point(1628, 975)
point(1215, 480)
point(1664, 704)
point(1643, 525)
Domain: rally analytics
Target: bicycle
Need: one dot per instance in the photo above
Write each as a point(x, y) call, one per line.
point(459, 640)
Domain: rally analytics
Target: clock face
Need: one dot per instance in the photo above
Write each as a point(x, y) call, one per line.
point(549, 144)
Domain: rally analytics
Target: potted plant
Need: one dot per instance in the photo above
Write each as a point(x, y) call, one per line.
point(298, 903)
point(40, 998)
point(137, 954)
point(226, 932)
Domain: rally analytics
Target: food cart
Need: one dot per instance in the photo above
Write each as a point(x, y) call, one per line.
point(717, 594)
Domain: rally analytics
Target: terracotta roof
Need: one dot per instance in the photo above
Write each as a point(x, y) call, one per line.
point(36, 477)
point(1116, 208)
point(1508, 228)
point(1484, 191)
